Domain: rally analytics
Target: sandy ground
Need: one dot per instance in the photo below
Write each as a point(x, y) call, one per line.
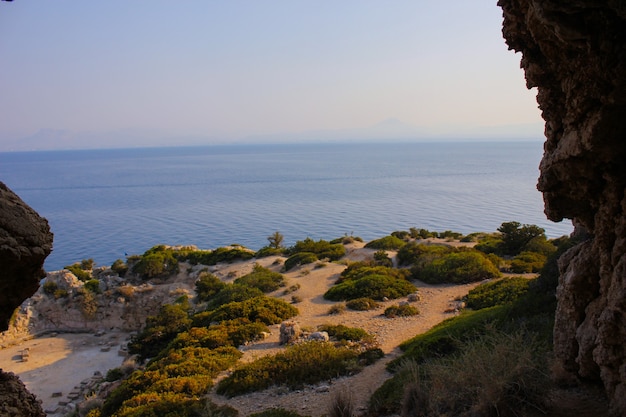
point(60, 363)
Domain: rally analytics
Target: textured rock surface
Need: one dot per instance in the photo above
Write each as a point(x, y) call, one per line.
point(120, 305)
point(25, 241)
point(575, 53)
point(16, 401)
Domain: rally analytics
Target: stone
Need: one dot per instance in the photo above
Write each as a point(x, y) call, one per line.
point(319, 336)
point(575, 54)
point(290, 331)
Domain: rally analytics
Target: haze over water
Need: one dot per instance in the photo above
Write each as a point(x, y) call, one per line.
point(104, 204)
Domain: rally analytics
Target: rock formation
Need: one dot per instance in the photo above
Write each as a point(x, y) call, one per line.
point(574, 52)
point(25, 241)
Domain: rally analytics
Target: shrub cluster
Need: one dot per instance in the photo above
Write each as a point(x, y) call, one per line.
point(263, 279)
point(300, 364)
point(263, 309)
point(171, 384)
point(403, 310)
point(498, 292)
point(78, 269)
point(386, 243)
point(341, 332)
point(362, 304)
point(457, 267)
point(308, 251)
point(375, 282)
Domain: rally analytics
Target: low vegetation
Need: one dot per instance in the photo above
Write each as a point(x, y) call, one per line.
point(263, 279)
point(300, 364)
point(375, 282)
point(308, 251)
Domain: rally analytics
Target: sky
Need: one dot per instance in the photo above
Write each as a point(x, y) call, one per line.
point(117, 72)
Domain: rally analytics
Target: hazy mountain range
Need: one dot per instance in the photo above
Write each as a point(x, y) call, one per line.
point(388, 130)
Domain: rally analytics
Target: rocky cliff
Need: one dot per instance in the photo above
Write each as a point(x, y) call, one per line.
point(25, 241)
point(574, 52)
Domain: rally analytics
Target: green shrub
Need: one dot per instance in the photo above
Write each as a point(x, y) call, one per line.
point(233, 293)
point(266, 251)
point(421, 233)
point(497, 292)
point(208, 285)
point(80, 273)
point(93, 285)
point(114, 374)
point(156, 262)
point(227, 333)
point(263, 279)
point(373, 286)
point(527, 262)
point(264, 309)
point(159, 331)
point(322, 249)
point(386, 243)
point(382, 259)
point(362, 304)
point(419, 254)
point(449, 234)
point(459, 267)
point(404, 310)
point(49, 287)
point(119, 267)
point(341, 332)
point(300, 258)
point(298, 365)
point(213, 257)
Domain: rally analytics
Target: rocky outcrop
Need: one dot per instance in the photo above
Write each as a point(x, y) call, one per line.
point(574, 52)
point(65, 304)
point(16, 400)
point(25, 241)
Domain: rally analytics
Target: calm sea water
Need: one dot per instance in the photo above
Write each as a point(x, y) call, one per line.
point(107, 203)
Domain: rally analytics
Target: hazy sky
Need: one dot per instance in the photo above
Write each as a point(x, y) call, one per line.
point(228, 69)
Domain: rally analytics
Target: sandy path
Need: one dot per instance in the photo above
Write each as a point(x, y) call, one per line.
point(60, 363)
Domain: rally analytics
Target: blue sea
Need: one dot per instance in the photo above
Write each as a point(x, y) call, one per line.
point(106, 204)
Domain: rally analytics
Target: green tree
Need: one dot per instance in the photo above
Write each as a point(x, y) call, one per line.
point(276, 240)
point(516, 235)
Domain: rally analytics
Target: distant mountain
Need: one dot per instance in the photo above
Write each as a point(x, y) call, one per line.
point(387, 130)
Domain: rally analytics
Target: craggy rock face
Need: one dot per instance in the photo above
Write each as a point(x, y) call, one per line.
point(25, 241)
point(575, 53)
